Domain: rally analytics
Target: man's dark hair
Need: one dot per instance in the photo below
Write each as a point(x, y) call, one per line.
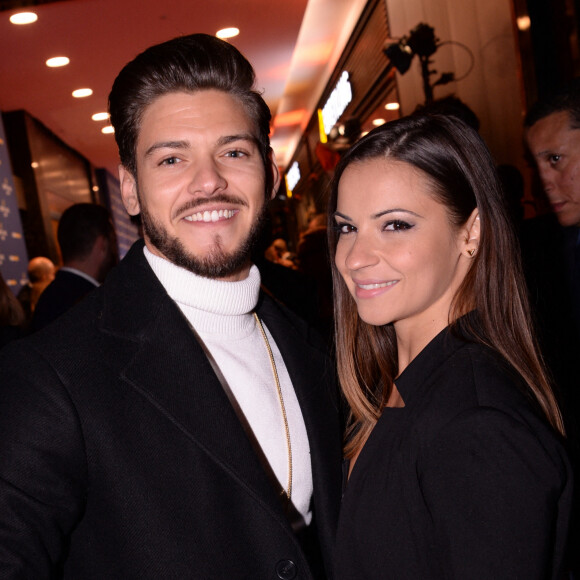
point(79, 227)
point(187, 63)
point(564, 99)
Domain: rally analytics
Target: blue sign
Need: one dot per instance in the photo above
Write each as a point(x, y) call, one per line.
point(13, 255)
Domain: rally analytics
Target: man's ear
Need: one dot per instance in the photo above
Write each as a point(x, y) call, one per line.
point(129, 191)
point(275, 174)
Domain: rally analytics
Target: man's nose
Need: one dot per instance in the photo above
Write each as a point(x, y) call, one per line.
point(206, 177)
point(546, 173)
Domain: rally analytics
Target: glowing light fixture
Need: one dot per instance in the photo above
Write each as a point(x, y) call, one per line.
point(378, 122)
point(80, 93)
point(108, 130)
point(100, 116)
point(392, 106)
point(524, 23)
point(57, 61)
point(227, 32)
point(23, 18)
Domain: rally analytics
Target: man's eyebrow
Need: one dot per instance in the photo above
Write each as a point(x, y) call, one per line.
point(166, 145)
point(227, 139)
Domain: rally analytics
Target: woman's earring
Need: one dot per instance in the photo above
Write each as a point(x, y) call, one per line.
point(471, 252)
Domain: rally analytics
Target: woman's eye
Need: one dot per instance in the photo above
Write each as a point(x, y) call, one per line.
point(397, 226)
point(345, 228)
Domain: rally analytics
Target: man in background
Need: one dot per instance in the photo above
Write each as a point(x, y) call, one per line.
point(87, 242)
point(40, 274)
point(551, 251)
point(178, 422)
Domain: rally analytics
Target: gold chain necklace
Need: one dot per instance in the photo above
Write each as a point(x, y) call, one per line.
point(288, 491)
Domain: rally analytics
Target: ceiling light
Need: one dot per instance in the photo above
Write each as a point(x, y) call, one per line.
point(57, 61)
point(227, 32)
point(524, 23)
point(23, 18)
point(378, 122)
point(80, 93)
point(392, 106)
point(100, 116)
point(107, 130)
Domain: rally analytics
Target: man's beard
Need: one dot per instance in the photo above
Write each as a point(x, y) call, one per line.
point(217, 263)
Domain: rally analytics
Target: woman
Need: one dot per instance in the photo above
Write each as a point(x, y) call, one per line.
point(454, 462)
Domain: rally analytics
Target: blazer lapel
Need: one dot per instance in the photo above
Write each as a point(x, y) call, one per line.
point(313, 377)
point(170, 369)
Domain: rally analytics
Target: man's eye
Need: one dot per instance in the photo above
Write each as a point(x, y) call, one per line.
point(235, 153)
point(169, 161)
point(553, 159)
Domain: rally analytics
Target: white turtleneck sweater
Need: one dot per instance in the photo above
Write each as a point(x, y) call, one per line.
point(221, 315)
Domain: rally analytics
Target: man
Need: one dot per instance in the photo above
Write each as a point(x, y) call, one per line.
point(86, 238)
point(551, 251)
point(177, 423)
point(40, 275)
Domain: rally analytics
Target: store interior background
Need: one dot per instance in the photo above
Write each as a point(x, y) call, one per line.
point(503, 53)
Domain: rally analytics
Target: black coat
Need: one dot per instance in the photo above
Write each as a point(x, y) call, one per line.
point(121, 456)
point(465, 482)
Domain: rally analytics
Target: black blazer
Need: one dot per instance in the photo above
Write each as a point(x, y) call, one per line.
point(465, 482)
point(121, 456)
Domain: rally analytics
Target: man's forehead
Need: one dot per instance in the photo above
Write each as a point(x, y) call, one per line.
point(551, 131)
point(219, 112)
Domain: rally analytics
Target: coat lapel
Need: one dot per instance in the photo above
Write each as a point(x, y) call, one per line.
point(313, 377)
point(169, 368)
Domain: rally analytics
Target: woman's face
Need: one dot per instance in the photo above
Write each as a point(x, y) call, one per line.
point(398, 253)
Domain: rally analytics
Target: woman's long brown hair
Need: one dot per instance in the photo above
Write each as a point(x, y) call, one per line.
point(460, 167)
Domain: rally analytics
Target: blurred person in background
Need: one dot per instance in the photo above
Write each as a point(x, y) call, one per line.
point(551, 251)
point(12, 317)
point(41, 272)
point(88, 246)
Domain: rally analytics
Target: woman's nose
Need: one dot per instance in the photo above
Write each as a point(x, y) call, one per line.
point(361, 252)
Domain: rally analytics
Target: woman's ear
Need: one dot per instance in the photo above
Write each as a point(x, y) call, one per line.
point(472, 231)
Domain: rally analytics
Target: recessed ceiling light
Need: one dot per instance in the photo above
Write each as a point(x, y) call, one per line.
point(227, 32)
point(108, 129)
point(80, 93)
point(23, 18)
point(378, 122)
point(524, 23)
point(100, 116)
point(392, 106)
point(57, 61)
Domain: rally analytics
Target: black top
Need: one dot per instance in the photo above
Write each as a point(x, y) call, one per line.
point(465, 481)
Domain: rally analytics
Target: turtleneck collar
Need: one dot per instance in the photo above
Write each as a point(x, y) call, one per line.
point(212, 306)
